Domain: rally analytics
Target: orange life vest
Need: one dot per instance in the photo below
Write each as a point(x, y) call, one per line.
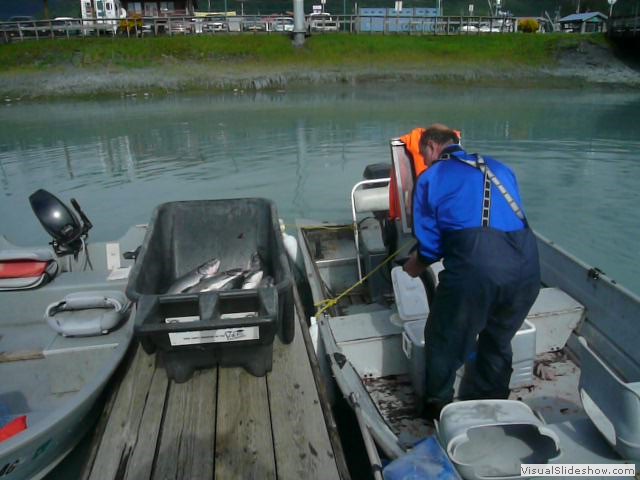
point(412, 144)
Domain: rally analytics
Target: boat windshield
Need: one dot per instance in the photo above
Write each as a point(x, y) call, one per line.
point(404, 181)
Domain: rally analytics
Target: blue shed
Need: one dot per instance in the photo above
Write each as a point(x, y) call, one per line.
point(589, 22)
point(396, 21)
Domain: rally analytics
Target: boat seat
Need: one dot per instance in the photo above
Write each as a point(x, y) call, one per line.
point(367, 196)
point(25, 268)
point(489, 439)
point(84, 314)
point(581, 442)
point(611, 402)
point(371, 199)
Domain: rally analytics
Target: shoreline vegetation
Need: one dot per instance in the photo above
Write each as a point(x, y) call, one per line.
point(117, 66)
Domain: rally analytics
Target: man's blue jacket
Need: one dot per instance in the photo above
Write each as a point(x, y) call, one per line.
point(448, 196)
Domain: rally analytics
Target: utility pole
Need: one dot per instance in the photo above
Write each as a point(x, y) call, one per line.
point(299, 30)
point(344, 14)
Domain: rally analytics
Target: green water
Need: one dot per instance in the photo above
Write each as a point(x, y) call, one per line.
point(575, 154)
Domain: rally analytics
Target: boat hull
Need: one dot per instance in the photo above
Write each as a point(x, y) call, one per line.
point(56, 381)
point(35, 457)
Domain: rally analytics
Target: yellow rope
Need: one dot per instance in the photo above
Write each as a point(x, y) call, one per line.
point(330, 302)
point(321, 227)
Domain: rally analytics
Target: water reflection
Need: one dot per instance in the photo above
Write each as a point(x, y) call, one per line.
point(573, 151)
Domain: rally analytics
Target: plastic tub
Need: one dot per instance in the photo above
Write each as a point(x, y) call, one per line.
point(183, 235)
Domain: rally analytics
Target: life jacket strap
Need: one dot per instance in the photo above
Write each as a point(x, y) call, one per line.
point(489, 178)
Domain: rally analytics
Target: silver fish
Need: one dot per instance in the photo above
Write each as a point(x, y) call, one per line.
point(206, 270)
point(255, 263)
point(252, 280)
point(222, 281)
point(266, 282)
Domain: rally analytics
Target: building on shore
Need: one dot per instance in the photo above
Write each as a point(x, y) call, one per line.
point(115, 9)
point(589, 22)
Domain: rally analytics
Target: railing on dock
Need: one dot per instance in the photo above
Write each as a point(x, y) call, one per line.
point(137, 26)
point(624, 26)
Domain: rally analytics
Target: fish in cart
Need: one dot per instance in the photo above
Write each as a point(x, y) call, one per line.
point(255, 274)
point(267, 282)
point(226, 280)
point(206, 270)
point(252, 280)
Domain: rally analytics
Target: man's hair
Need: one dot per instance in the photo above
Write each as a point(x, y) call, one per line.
point(438, 133)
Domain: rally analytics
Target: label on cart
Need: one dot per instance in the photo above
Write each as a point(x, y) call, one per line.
point(220, 335)
point(190, 318)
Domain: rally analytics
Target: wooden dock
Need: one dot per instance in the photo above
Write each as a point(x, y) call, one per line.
point(221, 424)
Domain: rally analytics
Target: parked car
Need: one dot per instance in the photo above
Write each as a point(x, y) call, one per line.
point(484, 28)
point(254, 25)
point(24, 24)
point(321, 22)
point(66, 26)
point(282, 24)
point(179, 26)
point(212, 24)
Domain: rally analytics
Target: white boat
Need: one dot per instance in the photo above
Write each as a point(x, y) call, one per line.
point(576, 381)
point(63, 331)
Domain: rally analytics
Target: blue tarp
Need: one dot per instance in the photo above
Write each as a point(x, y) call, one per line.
point(426, 460)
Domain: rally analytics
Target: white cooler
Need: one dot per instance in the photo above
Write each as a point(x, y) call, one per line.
point(523, 345)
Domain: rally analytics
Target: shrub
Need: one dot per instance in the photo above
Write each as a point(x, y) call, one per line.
point(528, 25)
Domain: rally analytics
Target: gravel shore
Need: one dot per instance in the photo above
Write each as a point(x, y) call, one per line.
point(588, 65)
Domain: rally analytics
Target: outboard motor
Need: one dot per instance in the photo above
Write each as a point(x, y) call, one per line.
point(68, 232)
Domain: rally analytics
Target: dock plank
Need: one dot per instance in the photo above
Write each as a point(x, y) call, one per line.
point(188, 434)
point(301, 442)
point(121, 432)
point(244, 442)
point(140, 465)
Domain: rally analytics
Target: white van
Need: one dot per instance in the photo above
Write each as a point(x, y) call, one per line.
point(321, 22)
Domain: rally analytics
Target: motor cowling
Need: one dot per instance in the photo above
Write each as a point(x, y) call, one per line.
point(60, 222)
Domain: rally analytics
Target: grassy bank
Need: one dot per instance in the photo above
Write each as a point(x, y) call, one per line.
point(209, 62)
point(321, 50)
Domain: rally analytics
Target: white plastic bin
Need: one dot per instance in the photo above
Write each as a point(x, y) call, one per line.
point(411, 297)
point(413, 348)
point(523, 345)
point(524, 355)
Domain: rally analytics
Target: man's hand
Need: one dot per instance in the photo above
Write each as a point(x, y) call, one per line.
point(413, 266)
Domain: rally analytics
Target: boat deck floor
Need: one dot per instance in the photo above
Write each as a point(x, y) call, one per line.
point(28, 381)
point(222, 423)
point(553, 395)
point(41, 370)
